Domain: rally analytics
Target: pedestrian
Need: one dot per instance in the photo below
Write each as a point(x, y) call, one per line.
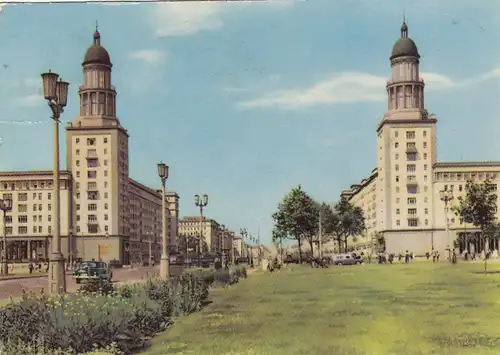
point(30, 267)
point(47, 266)
point(407, 257)
point(427, 255)
point(411, 256)
point(437, 255)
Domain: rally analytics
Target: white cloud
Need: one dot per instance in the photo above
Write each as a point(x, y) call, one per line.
point(151, 56)
point(181, 18)
point(30, 100)
point(184, 18)
point(352, 87)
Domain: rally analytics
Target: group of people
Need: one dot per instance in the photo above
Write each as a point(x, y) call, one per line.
point(37, 266)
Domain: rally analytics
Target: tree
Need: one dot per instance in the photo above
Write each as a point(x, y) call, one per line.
point(478, 207)
point(346, 221)
point(296, 218)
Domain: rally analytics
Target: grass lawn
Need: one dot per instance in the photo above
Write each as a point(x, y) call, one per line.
point(421, 308)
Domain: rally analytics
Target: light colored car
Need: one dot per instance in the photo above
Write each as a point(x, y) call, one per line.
point(92, 270)
point(346, 259)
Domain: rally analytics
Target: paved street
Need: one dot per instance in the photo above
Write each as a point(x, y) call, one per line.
point(13, 288)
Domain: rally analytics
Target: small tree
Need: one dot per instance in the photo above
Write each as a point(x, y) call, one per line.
point(296, 218)
point(478, 207)
point(346, 220)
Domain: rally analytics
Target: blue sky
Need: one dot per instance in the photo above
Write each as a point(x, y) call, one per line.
point(246, 100)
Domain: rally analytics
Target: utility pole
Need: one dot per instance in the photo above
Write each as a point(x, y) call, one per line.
point(320, 235)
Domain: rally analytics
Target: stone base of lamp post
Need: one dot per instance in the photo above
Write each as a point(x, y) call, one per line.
point(57, 275)
point(5, 268)
point(164, 267)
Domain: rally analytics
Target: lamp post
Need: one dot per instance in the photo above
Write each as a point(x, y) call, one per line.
point(447, 196)
point(244, 234)
point(56, 93)
point(201, 202)
point(164, 260)
point(70, 247)
point(5, 206)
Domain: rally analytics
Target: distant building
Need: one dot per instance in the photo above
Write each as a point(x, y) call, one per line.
point(104, 213)
point(401, 197)
point(189, 230)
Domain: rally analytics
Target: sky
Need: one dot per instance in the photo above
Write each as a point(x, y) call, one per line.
point(245, 100)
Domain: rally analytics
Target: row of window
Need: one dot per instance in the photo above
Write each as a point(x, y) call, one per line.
point(91, 141)
point(412, 222)
point(92, 163)
point(8, 219)
point(424, 144)
point(26, 185)
point(91, 206)
point(410, 167)
point(23, 196)
point(410, 134)
point(465, 176)
point(22, 207)
point(92, 174)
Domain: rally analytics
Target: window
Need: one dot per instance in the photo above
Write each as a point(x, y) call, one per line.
point(425, 166)
point(92, 163)
point(77, 174)
point(93, 228)
point(425, 188)
point(396, 167)
point(410, 134)
point(412, 211)
point(34, 218)
point(105, 195)
point(22, 197)
point(34, 229)
point(49, 196)
point(412, 223)
point(397, 200)
point(34, 195)
point(90, 141)
point(78, 207)
point(22, 208)
point(425, 199)
point(397, 178)
point(78, 218)
point(396, 134)
point(425, 144)
point(412, 200)
point(77, 163)
point(105, 217)
point(49, 217)
point(396, 145)
point(105, 162)
point(50, 207)
point(34, 207)
point(50, 229)
point(40, 229)
point(426, 222)
point(92, 174)
point(78, 152)
point(425, 133)
point(411, 145)
point(8, 230)
point(77, 195)
point(425, 155)
point(411, 168)
point(22, 219)
point(412, 189)
point(92, 218)
point(105, 173)
point(411, 156)
point(92, 207)
point(106, 228)
point(77, 140)
point(426, 211)
point(105, 139)
point(105, 151)
point(105, 206)
point(92, 186)
point(397, 188)
point(460, 188)
point(425, 177)
point(398, 222)
point(22, 230)
point(397, 210)
point(40, 196)
point(105, 184)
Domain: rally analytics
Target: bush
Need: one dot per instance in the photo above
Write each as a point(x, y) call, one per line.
point(118, 320)
point(97, 286)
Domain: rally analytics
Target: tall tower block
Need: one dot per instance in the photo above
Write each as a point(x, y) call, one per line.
point(406, 153)
point(97, 157)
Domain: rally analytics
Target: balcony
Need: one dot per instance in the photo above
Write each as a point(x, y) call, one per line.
point(91, 155)
point(411, 180)
point(85, 87)
point(411, 149)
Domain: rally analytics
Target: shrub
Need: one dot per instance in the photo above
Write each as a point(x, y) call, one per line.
point(97, 286)
point(26, 349)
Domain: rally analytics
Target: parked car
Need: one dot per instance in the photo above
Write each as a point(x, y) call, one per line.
point(347, 259)
point(91, 270)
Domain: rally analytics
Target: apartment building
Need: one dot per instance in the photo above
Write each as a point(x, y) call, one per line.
point(105, 214)
point(401, 198)
point(190, 229)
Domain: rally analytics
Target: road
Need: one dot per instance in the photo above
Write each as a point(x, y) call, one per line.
point(14, 288)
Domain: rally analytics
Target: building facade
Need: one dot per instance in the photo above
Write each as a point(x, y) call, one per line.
point(401, 197)
point(105, 214)
point(190, 229)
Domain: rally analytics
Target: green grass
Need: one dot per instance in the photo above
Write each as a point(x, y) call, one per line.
point(421, 308)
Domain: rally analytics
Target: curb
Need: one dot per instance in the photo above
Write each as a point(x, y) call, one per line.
point(21, 277)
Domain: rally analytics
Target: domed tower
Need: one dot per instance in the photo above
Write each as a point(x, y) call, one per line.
point(405, 89)
point(97, 156)
point(97, 95)
point(406, 154)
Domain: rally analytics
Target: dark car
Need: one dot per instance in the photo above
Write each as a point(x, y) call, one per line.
point(93, 270)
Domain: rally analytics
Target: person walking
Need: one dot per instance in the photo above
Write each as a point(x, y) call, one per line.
point(407, 257)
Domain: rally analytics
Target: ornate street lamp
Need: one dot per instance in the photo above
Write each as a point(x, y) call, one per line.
point(447, 196)
point(56, 93)
point(164, 260)
point(5, 206)
point(200, 202)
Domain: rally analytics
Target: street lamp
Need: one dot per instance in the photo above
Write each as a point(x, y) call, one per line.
point(164, 260)
point(56, 93)
point(5, 206)
point(200, 202)
point(447, 196)
point(244, 234)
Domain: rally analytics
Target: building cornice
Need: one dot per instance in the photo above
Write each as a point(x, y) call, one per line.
point(87, 128)
point(467, 164)
point(44, 173)
point(405, 122)
point(356, 188)
point(154, 192)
